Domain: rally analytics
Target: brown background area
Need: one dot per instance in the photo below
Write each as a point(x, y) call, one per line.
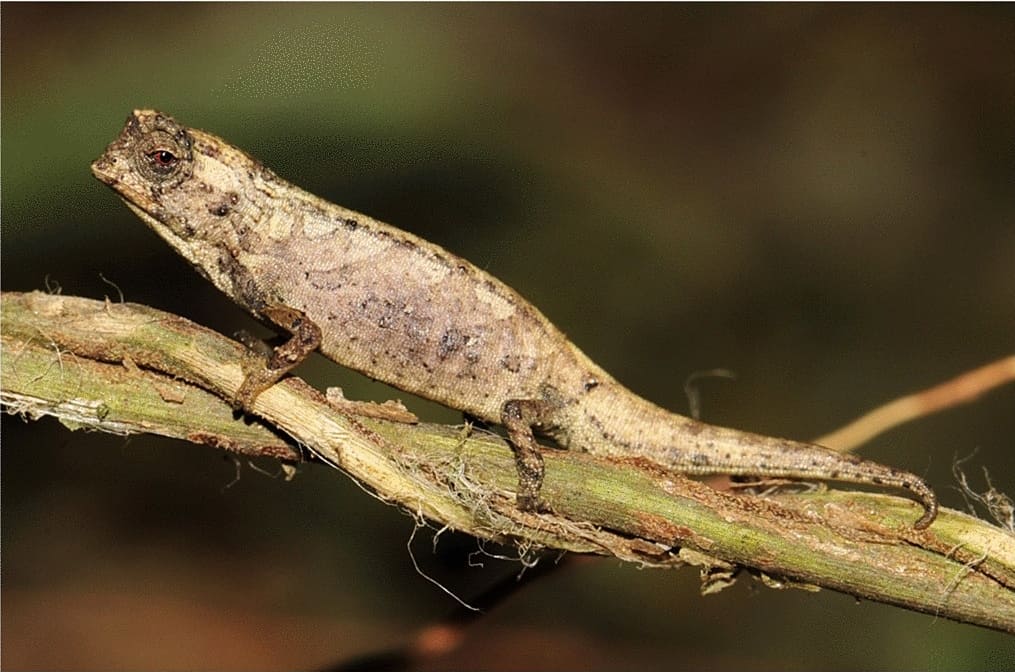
point(818, 198)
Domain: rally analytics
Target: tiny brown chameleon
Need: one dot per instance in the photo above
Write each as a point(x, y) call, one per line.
point(409, 313)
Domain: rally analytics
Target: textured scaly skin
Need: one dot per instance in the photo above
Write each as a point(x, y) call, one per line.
point(409, 313)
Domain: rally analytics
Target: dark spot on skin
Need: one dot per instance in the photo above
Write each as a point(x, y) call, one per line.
point(382, 312)
point(208, 150)
point(700, 460)
point(607, 435)
point(350, 224)
point(218, 209)
point(492, 288)
point(247, 238)
point(512, 363)
point(590, 384)
point(234, 198)
point(450, 341)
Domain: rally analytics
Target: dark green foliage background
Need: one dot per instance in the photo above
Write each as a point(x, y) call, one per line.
point(818, 198)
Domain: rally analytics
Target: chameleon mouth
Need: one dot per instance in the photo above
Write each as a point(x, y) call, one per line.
point(102, 169)
point(105, 170)
point(112, 170)
point(108, 170)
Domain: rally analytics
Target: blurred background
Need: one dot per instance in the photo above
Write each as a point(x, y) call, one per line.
point(819, 198)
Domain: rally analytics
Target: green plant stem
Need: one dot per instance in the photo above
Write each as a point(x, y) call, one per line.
point(126, 368)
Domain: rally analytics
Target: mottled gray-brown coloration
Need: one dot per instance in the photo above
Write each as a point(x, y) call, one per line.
point(409, 313)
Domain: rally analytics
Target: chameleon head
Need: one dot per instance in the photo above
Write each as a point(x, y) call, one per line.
point(152, 157)
point(181, 182)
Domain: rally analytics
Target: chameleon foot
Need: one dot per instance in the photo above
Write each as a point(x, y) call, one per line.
point(260, 375)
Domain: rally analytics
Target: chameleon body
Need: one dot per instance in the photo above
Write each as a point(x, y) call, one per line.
point(407, 312)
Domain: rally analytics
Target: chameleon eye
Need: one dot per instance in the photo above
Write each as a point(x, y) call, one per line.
point(162, 160)
point(160, 156)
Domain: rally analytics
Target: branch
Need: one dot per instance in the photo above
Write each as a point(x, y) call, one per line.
point(962, 389)
point(128, 368)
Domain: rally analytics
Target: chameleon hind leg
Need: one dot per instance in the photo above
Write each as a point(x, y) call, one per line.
point(520, 417)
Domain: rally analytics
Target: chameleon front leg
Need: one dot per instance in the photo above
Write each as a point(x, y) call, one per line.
point(306, 337)
point(519, 417)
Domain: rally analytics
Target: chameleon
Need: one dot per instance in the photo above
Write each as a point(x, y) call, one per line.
point(409, 313)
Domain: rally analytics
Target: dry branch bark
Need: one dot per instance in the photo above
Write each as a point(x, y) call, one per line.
point(126, 368)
